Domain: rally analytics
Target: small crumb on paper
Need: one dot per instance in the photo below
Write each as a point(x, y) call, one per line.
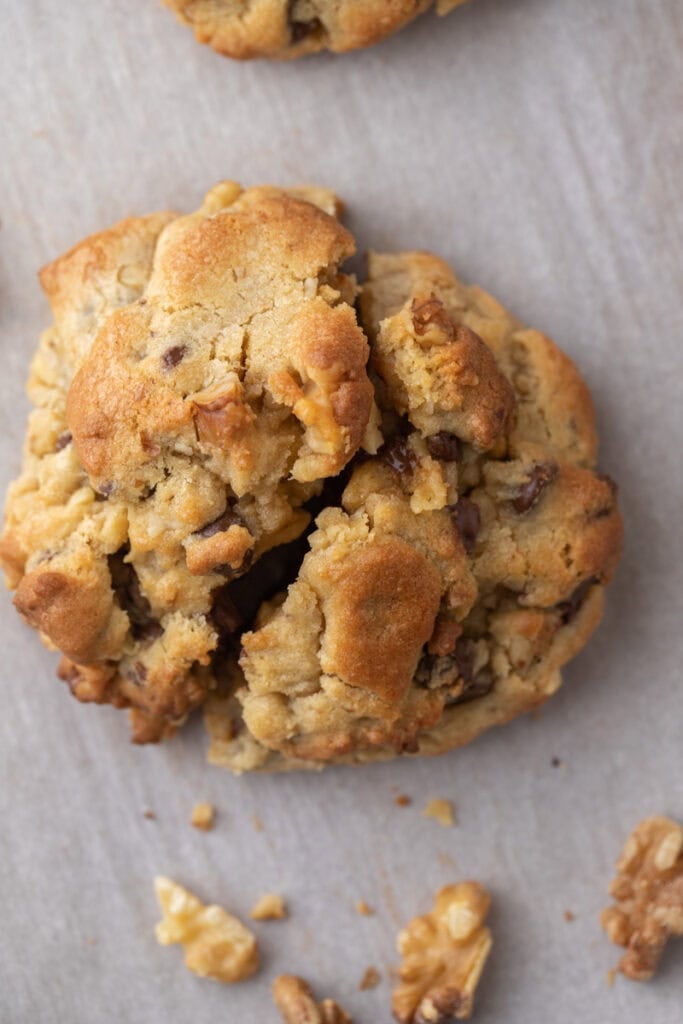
point(402, 800)
point(441, 810)
point(568, 916)
point(269, 907)
point(203, 816)
point(363, 908)
point(370, 979)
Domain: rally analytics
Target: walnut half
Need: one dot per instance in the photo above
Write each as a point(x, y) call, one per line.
point(217, 945)
point(444, 953)
point(648, 893)
point(297, 1005)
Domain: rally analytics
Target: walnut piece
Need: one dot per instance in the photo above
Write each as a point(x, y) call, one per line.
point(203, 816)
point(269, 907)
point(217, 945)
point(648, 893)
point(297, 1004)
point(441, 810)
point(444, 953)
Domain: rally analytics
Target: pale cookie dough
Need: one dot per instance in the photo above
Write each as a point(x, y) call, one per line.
point(203, 376)
point(285, 29)
point(467, 562)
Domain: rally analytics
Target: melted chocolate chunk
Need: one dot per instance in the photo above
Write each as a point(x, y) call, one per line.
point(444, 446)
point(105, 489)
point(398, 455)
point(224, 522)
point(569, 609)
point(129, 597)
point(467, 520)
point(541, 475)
point(63, 440)
point(303, 29)
point(224, 616)
point(173, 356)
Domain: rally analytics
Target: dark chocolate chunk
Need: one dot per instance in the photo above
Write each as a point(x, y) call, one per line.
point(224, 522)
point(303, 29)
point(129, 597)
point(444, 446)
point(398, 455)
point(569, 609)
point(63, 440)
point(527, 496)
point(172, 356)
point(467, 521)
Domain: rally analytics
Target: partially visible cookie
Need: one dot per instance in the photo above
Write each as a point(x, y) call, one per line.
point(468, 561)
point(285, 29)
point(203, 376)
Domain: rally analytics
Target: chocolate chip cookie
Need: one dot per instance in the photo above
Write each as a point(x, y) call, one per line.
point(284, 29)
point(204, 374)
point(466, 561)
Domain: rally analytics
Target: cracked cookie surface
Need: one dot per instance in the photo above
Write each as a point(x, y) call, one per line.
point(285, 29)
point(468, 559)
point(203, 375)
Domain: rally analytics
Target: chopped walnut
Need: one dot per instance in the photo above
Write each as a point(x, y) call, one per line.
point(441, 811)
point(444, 953)
point(364, 909)
point(217, 945)
point(648, 892)
point(203, 816)
point(269, 907)
point(297, 1004)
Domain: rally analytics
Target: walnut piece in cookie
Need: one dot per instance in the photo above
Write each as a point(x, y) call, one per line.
point(204, 374)
point(217, 945)
point(444, 953)
point(297, 1004)
point(648, 895)
point(269, 907)
point(285, 29)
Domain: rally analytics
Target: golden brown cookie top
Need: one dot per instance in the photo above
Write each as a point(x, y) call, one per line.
point(285, 29)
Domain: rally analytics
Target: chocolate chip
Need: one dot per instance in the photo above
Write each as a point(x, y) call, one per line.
point(172, 356)
point(569, 609)
point(105, 489)
point(63, 440)
point(224, 615)
point(137, 674)
point(444, 446)
point(467, 520)
point(398, 455)
point(224, 522)
point(529, 493)
point(129, 597)
point(299, 30)
point(150, 631)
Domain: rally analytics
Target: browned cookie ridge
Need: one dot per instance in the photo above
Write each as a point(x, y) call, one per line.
point(204, 374)
point(285, 29)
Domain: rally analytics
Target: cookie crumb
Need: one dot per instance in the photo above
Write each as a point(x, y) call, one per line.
point(203, 816)
point(269, 907)
point(217, 945)
point(150, 815)
point(364, 909)
point(257, 823)
point(555, 762)
point(443, 953)
point(370, 979)
point(568, 916)
point(441, 810)
point(648, 896)
point(611, 976)
point(297, 1005)
point(402, 800)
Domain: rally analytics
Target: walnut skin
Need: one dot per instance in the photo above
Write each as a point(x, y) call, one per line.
point(444, 953)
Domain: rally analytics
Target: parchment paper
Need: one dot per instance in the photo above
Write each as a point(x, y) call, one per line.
point(538, 145)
